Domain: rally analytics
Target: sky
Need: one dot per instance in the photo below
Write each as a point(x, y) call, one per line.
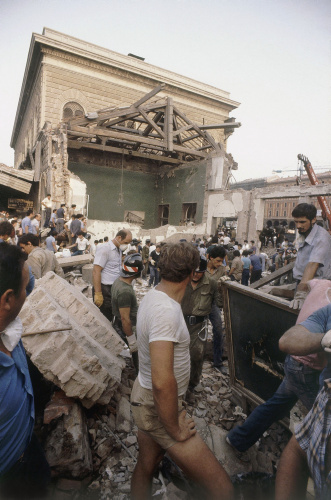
point(273, 56)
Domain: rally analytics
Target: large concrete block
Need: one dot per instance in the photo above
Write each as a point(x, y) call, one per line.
point(78, 260)
point(87, 273)
point(84, 360)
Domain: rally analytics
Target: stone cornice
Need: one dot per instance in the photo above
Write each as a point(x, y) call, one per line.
point(94, 52)
point(70, 45)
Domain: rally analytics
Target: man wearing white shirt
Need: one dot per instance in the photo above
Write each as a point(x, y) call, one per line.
point(107, 268)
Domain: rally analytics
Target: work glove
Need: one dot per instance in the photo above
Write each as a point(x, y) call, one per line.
point(133, 345)
point(98, 299)
point(153, 262)
point(326, 342)
point(298, 300)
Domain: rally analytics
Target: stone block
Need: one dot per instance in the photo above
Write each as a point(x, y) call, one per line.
point(84, 358)
point(67, 446)
point(78, 260)
point(87, 272)
point(123, 416)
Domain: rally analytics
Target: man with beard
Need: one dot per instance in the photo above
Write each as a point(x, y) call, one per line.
point(314, 251)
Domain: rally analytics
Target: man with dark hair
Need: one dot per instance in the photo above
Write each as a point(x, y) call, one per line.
point(24, 472)
point(216, 270)
point(46, 206)
point(158, 392)
point(106, 269)
point(124, 303)
point(26, 222)
point(236, 270)
point(256, 266)
point(81, 246)
point(314, 252)
point(154, 258)
point(35, 224)
point(200, 295)
point(76, 226)
point(60, 218)
point(145, 257)
point(7, 231)
point(41, 261)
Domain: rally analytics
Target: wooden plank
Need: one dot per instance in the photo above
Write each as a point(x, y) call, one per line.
point(152, 123)
point(112, 149)
point(131, 137)
point(276, 274)
point(183, 129)
point(169, 124)
point(150, 94)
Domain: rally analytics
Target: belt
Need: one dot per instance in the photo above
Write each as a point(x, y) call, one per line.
point(193, 320)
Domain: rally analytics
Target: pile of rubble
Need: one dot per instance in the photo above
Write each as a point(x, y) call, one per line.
point(87, 428)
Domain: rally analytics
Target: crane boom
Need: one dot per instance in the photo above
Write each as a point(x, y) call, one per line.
point(326, 212)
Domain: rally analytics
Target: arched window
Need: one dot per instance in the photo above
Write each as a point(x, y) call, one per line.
point(72, 109)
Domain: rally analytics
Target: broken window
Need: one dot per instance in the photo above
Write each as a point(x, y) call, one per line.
point(189, 211)
point(163, 215)
point(71, 109)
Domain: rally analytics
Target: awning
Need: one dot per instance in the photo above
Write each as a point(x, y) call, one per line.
point(13, 178)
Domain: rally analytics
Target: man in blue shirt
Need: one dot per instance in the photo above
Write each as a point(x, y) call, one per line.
point(24, 472)
point(26, 222)
point(314, 251)
point(256, 267)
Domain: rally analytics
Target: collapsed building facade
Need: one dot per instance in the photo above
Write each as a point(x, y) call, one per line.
point(124, 140)
point(130, 143)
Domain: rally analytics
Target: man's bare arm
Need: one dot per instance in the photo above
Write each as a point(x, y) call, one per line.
point(126, 321)
point(97, 278)
point(300, 341)
point(165, 392)
point(292, 473)
point(308, 274)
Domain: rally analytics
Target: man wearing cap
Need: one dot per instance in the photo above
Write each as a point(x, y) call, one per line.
point(200, 295)
point(124, 303)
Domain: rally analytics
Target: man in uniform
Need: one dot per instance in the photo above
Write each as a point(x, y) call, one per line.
point(216, 271)
point(124, 303)
point(200, 294)
point(107, 268)
point(157, 394)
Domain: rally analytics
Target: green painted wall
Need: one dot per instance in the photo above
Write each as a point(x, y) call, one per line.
point(187, 186)
point(139, 192)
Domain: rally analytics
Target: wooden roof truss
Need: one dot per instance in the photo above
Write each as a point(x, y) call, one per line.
point(154, 129)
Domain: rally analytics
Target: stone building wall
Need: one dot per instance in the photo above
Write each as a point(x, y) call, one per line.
point(62, 69)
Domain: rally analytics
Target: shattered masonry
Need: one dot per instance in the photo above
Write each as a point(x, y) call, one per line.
point(84, 360)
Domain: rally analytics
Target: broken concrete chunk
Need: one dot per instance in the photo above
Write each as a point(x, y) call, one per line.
point(87, 273)
point(84, 358)
point(67, 447)
point(78, 260)
point(123, 417)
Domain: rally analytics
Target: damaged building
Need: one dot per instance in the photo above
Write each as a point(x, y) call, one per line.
point(123, 139)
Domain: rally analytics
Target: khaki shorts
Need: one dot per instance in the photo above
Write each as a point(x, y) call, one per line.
point(146, 418)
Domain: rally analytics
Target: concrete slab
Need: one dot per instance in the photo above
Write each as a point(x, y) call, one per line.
point(78, 260)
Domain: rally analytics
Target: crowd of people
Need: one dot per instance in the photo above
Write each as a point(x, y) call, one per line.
point(167, 336)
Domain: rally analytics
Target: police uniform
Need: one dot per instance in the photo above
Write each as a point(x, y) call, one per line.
point(196, 306)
